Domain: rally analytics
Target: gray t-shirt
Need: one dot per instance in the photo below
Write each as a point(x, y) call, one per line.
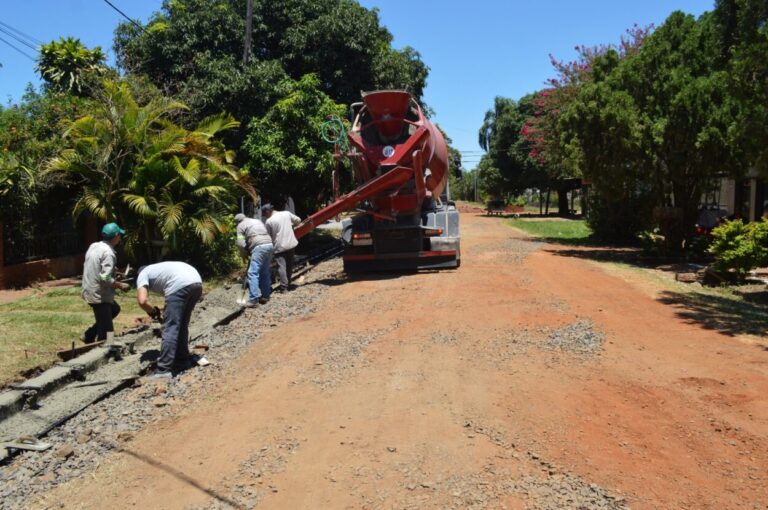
point(168, 277)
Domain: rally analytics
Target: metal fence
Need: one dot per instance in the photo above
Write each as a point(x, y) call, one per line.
point(18, 249)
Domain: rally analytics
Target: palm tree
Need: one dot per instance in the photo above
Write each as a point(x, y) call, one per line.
point(139, 168)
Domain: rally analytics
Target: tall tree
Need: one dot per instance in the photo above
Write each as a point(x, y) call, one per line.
point(743, 30)
point(509, 161)
point(607, 139)
point(67, 65)
point(656, 119)
point(285, 150)
point(193, 48)
point(683, 95)
point(544, 129)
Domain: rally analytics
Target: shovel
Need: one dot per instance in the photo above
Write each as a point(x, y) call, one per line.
point(243, 299)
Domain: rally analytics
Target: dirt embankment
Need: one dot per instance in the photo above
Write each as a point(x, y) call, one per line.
point(525, 379)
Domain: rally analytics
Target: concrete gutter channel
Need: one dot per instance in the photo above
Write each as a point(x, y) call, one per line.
point(36, 406)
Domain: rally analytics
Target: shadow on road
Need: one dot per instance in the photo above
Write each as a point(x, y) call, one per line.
point(182, 477)
point(726, 315)
point(590, 249)
point(333, 281)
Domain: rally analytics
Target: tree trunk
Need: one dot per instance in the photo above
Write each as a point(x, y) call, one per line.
point(584, 200)
point(562, 203)
point(546, 211)
point(541, 203)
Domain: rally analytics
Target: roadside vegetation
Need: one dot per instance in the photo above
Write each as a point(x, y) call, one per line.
point(651, 124)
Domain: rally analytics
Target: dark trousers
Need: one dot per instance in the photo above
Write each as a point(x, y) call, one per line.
point(284, 268)
point(178, 309)
point(103, 313)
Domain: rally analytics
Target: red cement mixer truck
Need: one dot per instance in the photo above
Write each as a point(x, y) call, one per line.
point(400, 163)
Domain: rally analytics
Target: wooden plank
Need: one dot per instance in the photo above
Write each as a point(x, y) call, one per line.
point(73, 352)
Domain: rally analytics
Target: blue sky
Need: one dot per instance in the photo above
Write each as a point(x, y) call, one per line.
point(476, 50)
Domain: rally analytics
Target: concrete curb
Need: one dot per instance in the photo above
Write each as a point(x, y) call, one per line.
point(11, 402)
point(27, 393)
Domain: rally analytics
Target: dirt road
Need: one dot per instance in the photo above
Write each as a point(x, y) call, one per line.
point(524, 379)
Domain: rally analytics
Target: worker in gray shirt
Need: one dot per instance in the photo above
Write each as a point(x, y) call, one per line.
point(99, 282)
point(182, 287)
point(254, 240)
point(280, 227)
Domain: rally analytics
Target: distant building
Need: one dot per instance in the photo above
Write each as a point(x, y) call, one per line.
point(745, 198)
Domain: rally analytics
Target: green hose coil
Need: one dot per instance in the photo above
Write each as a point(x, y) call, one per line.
point(334, 131)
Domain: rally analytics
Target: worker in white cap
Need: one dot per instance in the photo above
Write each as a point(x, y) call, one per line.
point(253, 240)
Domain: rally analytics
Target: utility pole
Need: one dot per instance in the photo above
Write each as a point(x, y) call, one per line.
point(248, 30)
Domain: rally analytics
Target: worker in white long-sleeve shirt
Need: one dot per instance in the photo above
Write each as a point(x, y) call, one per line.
point(99, 282)
point(280, 227)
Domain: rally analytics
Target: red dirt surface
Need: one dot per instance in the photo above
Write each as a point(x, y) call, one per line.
point(433, 390)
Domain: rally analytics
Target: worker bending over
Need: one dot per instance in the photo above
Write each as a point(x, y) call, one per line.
point(254, 240)
point(182, 287)
point(99, 282)
point(280, 227)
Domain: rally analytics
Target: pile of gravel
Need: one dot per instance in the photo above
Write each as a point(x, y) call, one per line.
point(563, 490)
point(342, 354)
point(582, 337)
point(445, 337)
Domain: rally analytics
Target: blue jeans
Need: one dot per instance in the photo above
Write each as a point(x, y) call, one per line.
point(178, 310)
point(260, 272)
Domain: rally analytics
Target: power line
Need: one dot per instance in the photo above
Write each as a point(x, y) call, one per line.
point(124, 15)
point(22, 34)
point(33, 59)
point(19, 39)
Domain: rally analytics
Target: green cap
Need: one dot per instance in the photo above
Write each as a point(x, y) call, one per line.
point(110, 230)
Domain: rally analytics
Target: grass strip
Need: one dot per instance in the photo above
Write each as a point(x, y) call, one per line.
point(36, 326)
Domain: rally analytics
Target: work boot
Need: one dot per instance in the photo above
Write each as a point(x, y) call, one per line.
point(86, 339)
point(263, 300)
point(251, 304)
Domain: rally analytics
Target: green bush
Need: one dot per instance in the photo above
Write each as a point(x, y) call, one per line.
point(616, 217)
point(652, 242)
point(218, 258)
point(739, 248)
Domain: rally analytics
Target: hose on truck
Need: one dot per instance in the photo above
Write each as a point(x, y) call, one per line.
point(334, 131)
